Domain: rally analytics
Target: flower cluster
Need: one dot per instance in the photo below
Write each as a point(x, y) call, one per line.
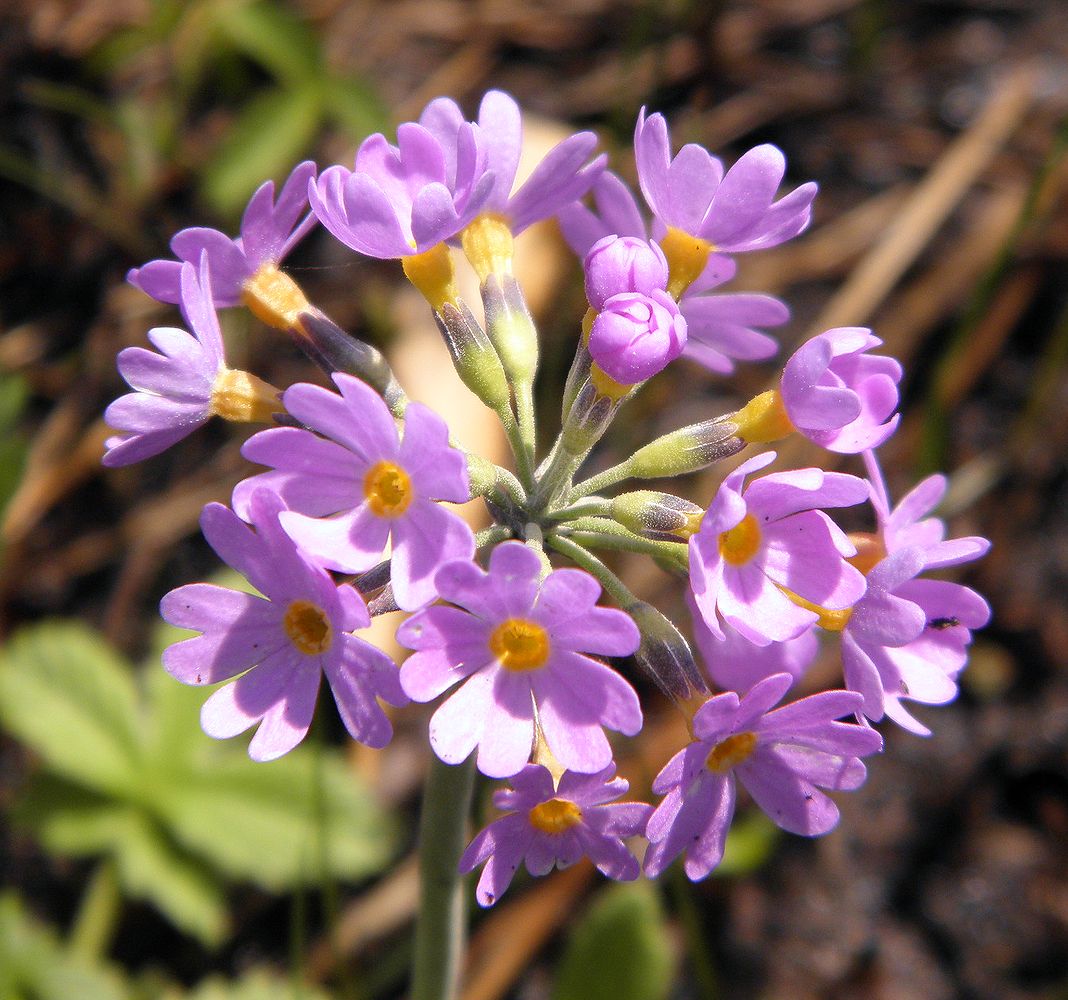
point(515, 647)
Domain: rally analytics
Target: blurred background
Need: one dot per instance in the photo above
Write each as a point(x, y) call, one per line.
point(139, 859)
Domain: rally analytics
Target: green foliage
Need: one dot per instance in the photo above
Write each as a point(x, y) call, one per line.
point(128, 774)
point(35, 966)
point(619, 950)
point(256, 985)
point(12, 444)
point(750, 841)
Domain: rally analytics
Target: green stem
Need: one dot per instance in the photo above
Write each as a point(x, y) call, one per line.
point(518, 436)
point(595, 484)
point(601, 533)
point(524, 404)
point(614, 587)
point(589, 507)
point(439, 929)
point(98, 914)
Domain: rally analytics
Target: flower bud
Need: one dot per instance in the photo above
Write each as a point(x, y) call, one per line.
point(635, 336)
point(618, 264)
point(473, 356)
point(659, 516)
point(687, 450)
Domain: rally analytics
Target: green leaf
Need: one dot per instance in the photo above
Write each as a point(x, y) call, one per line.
point(258, 984)
point(183, 888)
point(70, 820)
point(750, 841)
point(35, 966)
point(267, 138)
point(620, 949)
point(355, 106)
point(274, 37)
point(66, 695)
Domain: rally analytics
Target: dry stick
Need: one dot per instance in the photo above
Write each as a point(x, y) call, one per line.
point(934, 199)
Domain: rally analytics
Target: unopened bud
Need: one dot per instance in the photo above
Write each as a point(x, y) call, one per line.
point(473, 356)
point(334, 350)
point(588, 418)
point(687, 449)
point(659, 516)
point(510, 327)
point(665, 655)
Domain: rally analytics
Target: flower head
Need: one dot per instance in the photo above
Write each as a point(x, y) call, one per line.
point(378, 484)
point(731, 212)
point(403, 200)
point(618, 264)
point(174, 390)
point(269, 230)
point(280, 643)
point(564, 175)
point(840, 396)
point(761, 555)
point(782, 758)
point(517, 642)
point(551, 824)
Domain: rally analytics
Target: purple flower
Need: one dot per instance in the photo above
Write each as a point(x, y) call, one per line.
point(783, 758)
point(763, 558)
point(269, 230)
point(405, 199)
point(549, 825)
point(907, 638)
point(618, 264)
point(733, 212)
point(721, 328)
point(840, 396)
point(561, 177)
point(516, 641)
point(174, 390)
point(377, 484)
point(280, 643)
point(634, 336)
point(736, 664)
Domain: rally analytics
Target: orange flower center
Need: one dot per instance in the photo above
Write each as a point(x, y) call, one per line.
point(520, 644)
point(740, 544)
point(388, 489)
point(308, 628)
point(555, 816)
point(731, 752)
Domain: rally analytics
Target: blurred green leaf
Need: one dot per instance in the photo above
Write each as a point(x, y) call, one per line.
point(141, 783)
point(13, 393)
point(35, 966)
point(619, 950)
point(274, 37)
point(267, 139)
point(64, 693)
point(355, 106)
point(750, 841)
point(256, 985)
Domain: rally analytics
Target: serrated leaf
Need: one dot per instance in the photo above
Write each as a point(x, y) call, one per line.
point(267, 138)
point(619, 950)
point(274, 37)
point(180, 886)
point(66, 695)
point(33, 964)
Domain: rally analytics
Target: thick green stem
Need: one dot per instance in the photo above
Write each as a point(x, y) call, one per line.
point(602, 480)
point(440, 925)
point(614, 587)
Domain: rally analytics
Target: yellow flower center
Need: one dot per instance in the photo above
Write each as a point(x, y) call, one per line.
point(388, 489)
point(308, 628)
point(686, 256)
point(740, 544)
point(555, 816)
point(275, 298)
point(520, 644)
point(731, 752)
